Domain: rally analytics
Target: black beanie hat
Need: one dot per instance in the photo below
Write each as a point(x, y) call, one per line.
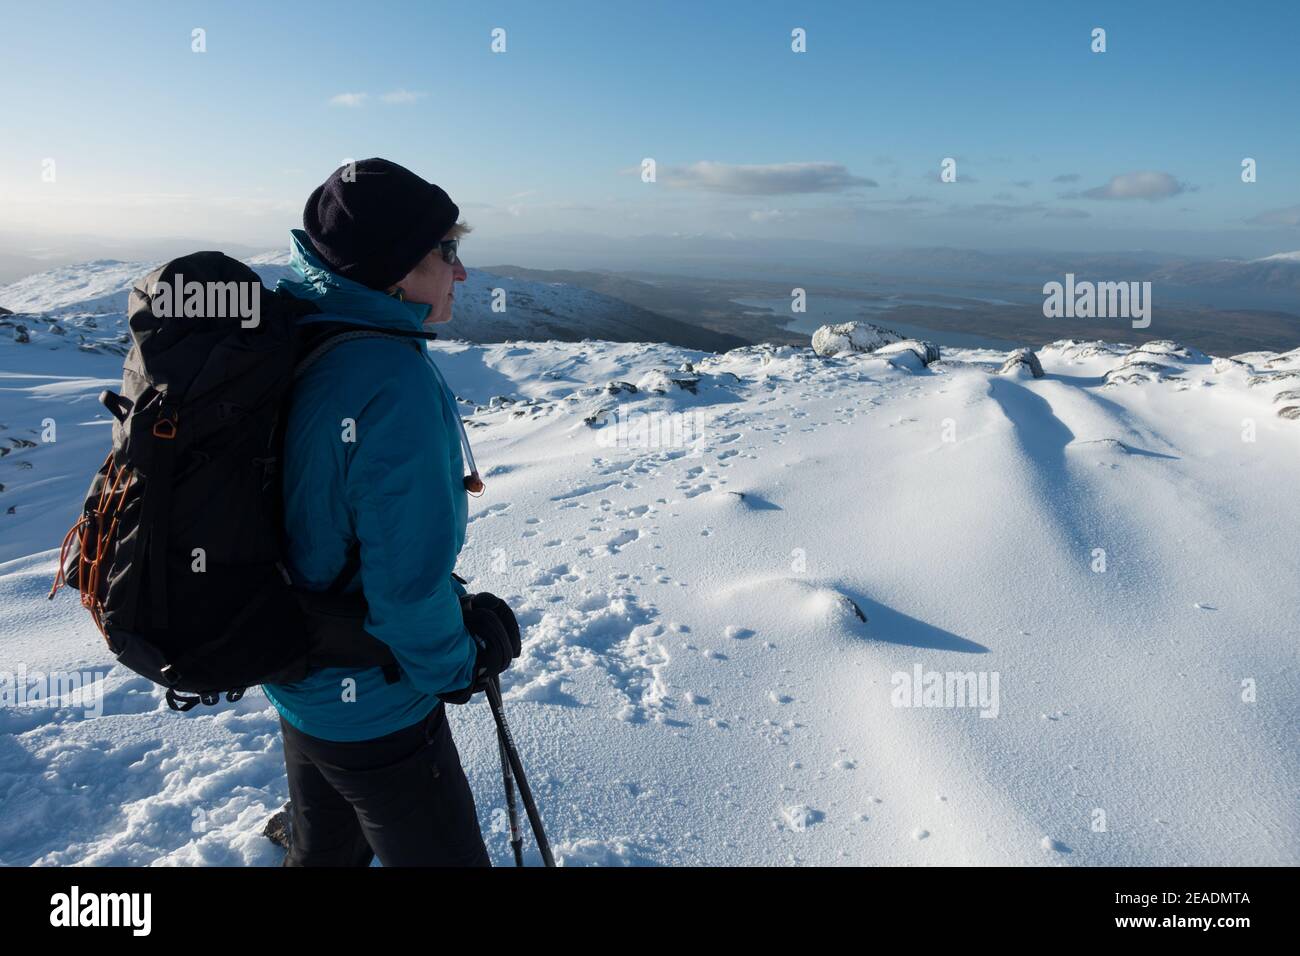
point(375, 229)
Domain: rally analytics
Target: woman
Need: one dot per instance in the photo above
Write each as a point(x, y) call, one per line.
point(375, 499)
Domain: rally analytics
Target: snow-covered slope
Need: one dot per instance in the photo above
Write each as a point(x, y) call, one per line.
point(521, 309)
point(726, 567)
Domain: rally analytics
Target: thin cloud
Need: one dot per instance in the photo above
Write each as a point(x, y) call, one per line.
point(909, 200)
point(936, 176)
point(348, 99)
point(402, 96)
point(1066, 213)
point(996, 212)
point(1067, 178)
point(1286, 216)
point(773, 179)
point(1141, 185)
point(392, 97)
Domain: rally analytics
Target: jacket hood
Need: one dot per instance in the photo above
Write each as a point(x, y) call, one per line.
point(335, 295)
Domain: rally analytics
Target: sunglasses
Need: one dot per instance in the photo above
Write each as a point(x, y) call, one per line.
point(448, 249)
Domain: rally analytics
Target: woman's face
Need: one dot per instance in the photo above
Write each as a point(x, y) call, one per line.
point(432, 283)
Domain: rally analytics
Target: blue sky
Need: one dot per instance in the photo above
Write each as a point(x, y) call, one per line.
point(843, 142)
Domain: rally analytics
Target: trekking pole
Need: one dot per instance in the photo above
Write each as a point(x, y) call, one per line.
point(508, 779)
point(507, 745)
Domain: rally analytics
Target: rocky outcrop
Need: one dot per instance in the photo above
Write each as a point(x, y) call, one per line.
point(1025, 359)
point(847, 337)
point(662, 381)
point(925, 352)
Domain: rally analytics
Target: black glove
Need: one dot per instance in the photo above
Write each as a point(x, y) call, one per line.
point(495, 631)
point(487, 601)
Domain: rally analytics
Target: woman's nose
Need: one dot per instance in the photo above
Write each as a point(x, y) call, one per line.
point(459, 274)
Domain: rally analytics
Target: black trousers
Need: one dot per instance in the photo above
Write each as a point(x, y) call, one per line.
point(402, 797)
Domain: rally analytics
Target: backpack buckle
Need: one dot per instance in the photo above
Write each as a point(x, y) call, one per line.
point(164, 428)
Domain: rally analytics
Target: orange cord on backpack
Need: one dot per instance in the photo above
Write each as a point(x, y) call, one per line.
point(90, 563)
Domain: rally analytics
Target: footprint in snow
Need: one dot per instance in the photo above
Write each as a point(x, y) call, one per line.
point(800, 817)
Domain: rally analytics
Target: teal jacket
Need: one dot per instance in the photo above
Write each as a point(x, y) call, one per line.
point(373, 453)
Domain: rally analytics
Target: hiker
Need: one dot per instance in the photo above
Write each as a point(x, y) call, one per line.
point(375, 497)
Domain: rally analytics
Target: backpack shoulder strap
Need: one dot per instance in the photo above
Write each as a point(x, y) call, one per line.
point(322, 340)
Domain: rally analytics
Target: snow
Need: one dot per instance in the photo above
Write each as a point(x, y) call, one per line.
point(721, 589)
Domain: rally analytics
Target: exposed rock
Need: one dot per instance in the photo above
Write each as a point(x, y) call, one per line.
point(1286, 358)
point(1137, 369)
point(1226, 364)
point(830, 340)
point(1022, 357)
point(613, 388)
point(925, 352)
point(4, 311)
point(1171, 350)
point(1291, 412)
point(1076, 349)
point(661, 382)
point(279, 828)
point(1264, 378)
point(597, 418)
point(21, 335)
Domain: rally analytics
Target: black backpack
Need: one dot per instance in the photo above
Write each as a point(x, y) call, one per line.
point(177, 553)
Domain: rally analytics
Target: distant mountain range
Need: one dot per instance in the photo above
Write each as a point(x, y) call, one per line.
point(1275, 273)
point(533, 310)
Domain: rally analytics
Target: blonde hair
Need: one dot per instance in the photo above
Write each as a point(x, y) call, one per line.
point(459, 230)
